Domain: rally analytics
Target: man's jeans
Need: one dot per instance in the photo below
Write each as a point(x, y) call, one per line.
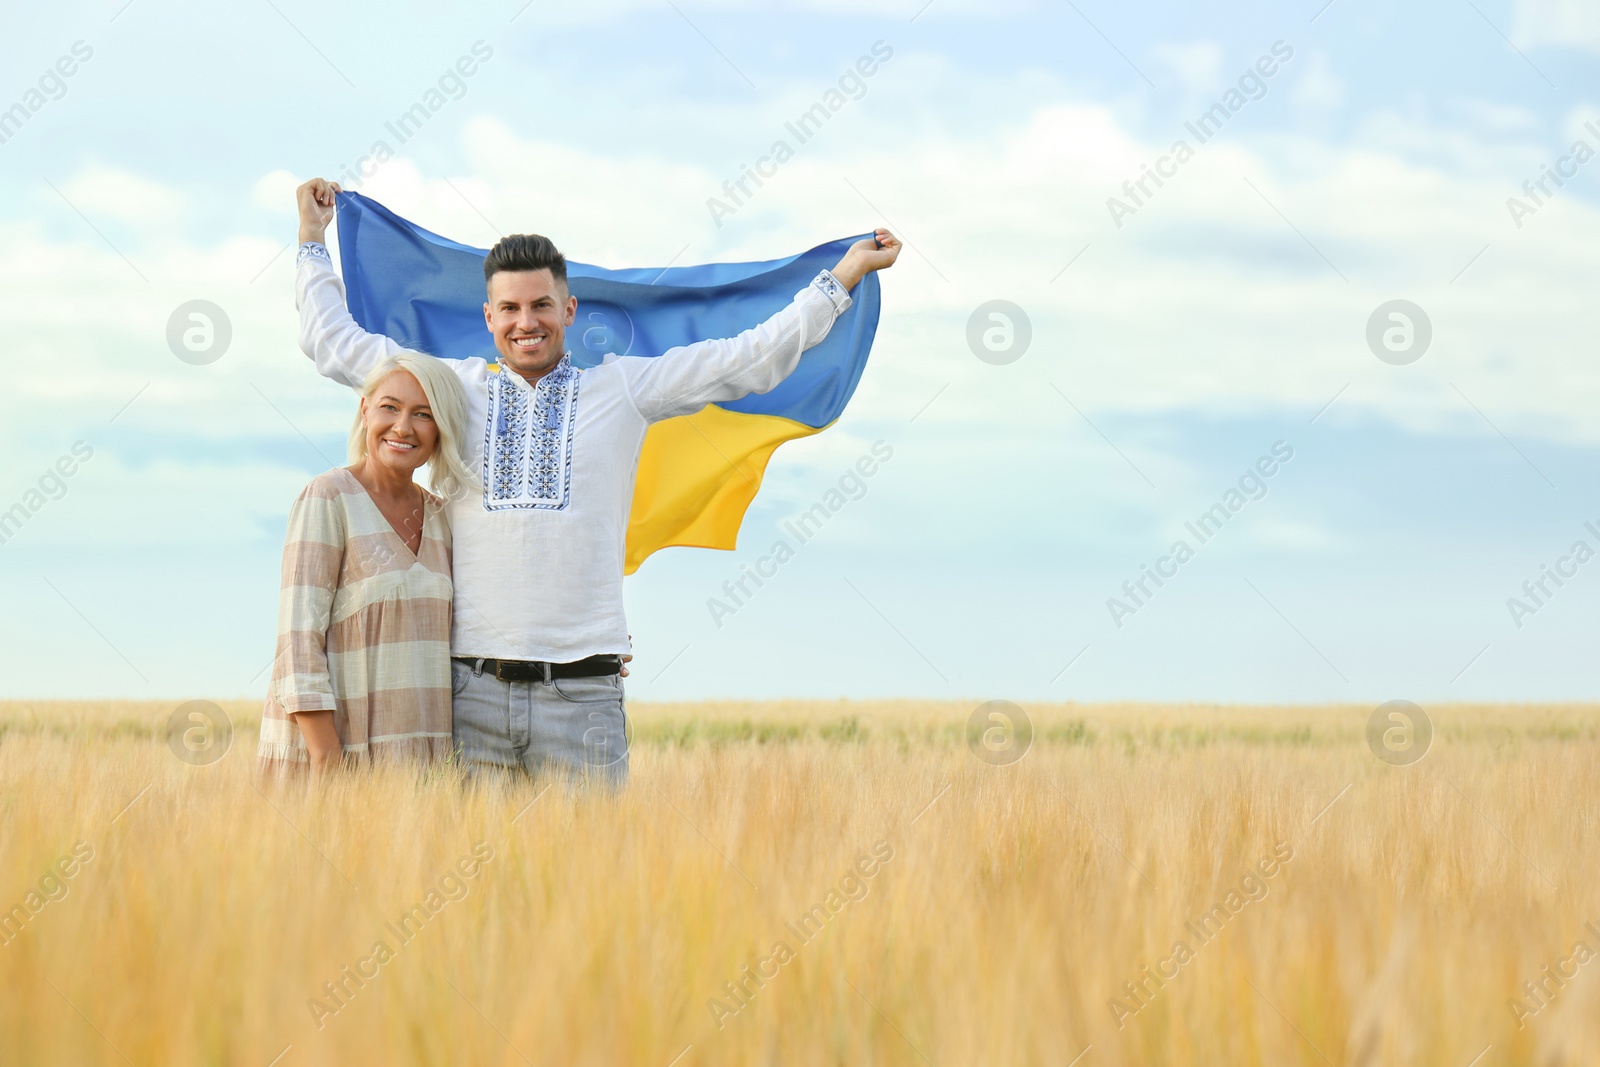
point(572, 726)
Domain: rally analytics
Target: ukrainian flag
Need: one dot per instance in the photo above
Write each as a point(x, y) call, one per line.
point(697, 473)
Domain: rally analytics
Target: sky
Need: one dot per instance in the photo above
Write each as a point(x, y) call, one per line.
point(1155, 352)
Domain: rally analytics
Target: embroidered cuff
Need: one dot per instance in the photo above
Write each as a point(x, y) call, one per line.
point(831, 289)
point(312, 248)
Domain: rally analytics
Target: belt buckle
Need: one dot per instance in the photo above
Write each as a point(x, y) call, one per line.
point(529, 676)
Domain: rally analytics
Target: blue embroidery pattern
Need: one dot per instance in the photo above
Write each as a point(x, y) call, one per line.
point(510, 419)
point(309, 249)
point(830, 287)
point(528, 440)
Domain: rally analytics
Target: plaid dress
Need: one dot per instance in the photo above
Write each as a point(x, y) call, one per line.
point(363, 631)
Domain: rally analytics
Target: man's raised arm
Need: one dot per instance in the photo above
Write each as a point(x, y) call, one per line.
point(341, 349)
point(685, 379)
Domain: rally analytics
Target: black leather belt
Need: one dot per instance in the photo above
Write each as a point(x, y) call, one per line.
point(519, 670)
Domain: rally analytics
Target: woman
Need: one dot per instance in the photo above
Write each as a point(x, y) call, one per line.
point(362, 673)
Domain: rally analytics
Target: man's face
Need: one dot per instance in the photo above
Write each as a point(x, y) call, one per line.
point(528, 313)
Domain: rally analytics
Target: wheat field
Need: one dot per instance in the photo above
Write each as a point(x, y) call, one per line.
point(816, 883)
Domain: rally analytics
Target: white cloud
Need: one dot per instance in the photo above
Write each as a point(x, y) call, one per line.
point(1557, 23)
point(1499, 118)
point(1576, 125)
point(112, 193)
point(275, 192)
point(1197, 64)
point(1319, 88)
point(1271, 532)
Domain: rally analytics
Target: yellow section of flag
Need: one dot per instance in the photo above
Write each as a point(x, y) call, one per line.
point(697, 475)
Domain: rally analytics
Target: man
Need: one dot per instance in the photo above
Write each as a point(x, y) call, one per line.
point(538, 638)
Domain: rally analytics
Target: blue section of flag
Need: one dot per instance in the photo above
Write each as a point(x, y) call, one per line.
point(427, 293)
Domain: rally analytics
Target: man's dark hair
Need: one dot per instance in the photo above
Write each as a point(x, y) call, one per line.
point(526, 251)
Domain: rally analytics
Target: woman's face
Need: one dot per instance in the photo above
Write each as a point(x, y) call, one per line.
point(401, 433)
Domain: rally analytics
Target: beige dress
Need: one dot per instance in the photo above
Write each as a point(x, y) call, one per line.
point(363, 631)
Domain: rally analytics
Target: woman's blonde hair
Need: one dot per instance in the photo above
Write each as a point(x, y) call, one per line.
point(447, 400)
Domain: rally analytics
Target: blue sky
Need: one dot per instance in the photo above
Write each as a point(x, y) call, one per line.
point(1227, 313)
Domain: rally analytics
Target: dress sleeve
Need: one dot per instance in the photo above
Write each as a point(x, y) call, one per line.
point(685, 379)
point(313, 555)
